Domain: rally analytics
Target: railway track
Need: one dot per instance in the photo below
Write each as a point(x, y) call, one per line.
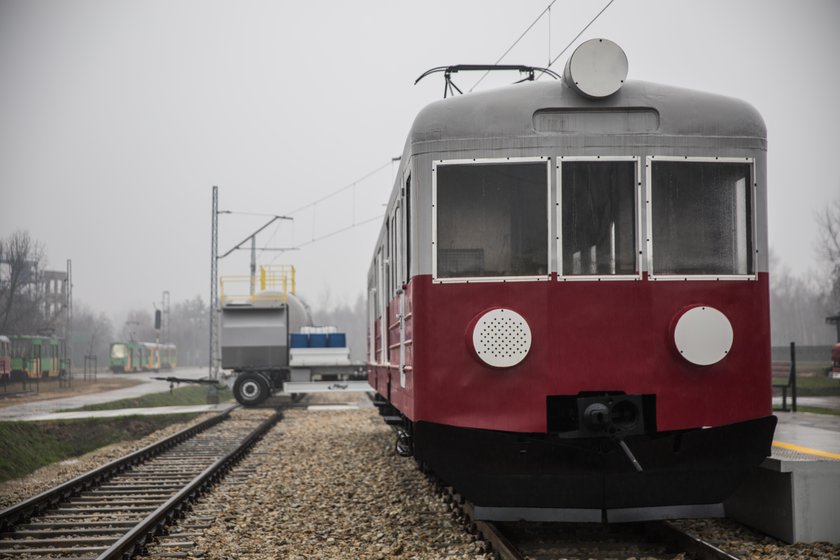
point(657, 540)
point(548, 541)
point(113, 511)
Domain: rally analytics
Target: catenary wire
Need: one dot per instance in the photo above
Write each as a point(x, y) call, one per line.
point(324, 198)
point(342, 189)
point(510, 48)
point(572, 42)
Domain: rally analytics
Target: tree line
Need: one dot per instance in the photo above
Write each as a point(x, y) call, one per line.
point(28, 307)
point(799, 305)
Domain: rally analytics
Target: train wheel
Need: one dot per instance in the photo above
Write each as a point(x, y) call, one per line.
point(250, 389)
point(404, 445)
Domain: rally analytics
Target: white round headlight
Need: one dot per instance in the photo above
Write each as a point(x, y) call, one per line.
point(596, 69)
point(703, 335)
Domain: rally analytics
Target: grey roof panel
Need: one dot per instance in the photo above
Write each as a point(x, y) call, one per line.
point(509, 112)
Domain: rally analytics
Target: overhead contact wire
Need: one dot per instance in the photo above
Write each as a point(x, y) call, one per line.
point(342, 230)
point(342, 189)
point(572, 42)
point(314, 203)
point(533, 23)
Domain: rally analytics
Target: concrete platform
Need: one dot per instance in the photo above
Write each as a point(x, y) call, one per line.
point(795, 494)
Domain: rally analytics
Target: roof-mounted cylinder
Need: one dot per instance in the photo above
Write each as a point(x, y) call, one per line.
point(596, 69)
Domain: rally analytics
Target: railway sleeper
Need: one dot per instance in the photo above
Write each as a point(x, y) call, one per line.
point(24, 533)
point(43, 552)
point(61, 543)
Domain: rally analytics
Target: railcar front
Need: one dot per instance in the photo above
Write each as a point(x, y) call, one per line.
point(36, 357)
point(120, 357)
point(5, 357)
point(569, 300)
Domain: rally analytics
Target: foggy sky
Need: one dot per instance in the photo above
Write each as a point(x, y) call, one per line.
point(117, 118)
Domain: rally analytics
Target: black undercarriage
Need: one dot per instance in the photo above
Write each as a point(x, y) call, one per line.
point(509, 470)
point(598, 460)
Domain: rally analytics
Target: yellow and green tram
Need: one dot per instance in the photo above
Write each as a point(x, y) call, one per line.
point(127, 357)
point(36, 357)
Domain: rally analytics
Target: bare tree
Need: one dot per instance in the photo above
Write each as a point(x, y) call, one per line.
point(92, 335)
point(138, 327)
point(21, 259)
point(797, 308)
point(828, 250)
point(188, 330)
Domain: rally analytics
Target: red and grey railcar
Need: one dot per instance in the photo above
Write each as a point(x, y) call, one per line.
point(568, 300)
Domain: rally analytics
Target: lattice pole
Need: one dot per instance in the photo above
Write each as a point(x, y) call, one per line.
point(214, 292)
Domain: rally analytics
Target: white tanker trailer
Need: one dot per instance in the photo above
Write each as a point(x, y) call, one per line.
point(269, 341)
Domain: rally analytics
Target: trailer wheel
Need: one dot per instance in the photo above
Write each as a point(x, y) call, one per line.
point(250, 389)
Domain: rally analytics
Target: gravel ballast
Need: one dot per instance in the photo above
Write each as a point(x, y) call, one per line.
point(328, 485)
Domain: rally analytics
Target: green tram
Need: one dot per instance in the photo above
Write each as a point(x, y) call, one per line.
point(127, 357)
point(36, 357)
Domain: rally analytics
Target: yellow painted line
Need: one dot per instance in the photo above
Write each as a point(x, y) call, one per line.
point(806, 450)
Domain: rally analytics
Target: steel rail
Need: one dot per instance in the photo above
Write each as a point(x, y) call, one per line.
point(133, 541)
point(36, 504)
point(500, 543)
point(699, 548)
point(661, 531)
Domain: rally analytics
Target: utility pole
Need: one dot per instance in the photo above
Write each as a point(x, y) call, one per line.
point(253, 264)
point(212, 392)
point(68, 320)
point(164, 306)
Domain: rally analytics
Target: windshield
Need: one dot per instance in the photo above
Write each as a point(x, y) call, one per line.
point(598, 217)
point(492, 219)
point(702, 218)
point(118, 351)
point(20, 348)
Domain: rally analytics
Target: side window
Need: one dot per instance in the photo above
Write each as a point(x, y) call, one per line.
point(382, 297)
point(701, 217)
point(371, 321)
point(598, 217)
point(491, 219)
point(395, 266)
point(407, 229)
point(386, 265)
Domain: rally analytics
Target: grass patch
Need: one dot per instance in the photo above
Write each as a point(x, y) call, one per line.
point(28, 446)
point(183, 396)
point(816, 368)
point(813, 386)
point(818, 410)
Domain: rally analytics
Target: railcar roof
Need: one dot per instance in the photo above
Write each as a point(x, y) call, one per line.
point(510, 112)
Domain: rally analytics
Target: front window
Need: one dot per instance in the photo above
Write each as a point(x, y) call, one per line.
point(701, 221)
point(598, 217)
point(492, 219)
point(20, 348)
point(118, 351)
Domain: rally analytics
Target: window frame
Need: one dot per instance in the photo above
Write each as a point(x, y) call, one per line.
point(753, 229)
point(406, 224)
point(637, 213)
point(492, 161)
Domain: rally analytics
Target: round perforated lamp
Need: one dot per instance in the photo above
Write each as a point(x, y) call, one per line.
point(501, 338)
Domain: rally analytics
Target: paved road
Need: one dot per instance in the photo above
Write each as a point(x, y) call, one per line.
point(149, 385)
